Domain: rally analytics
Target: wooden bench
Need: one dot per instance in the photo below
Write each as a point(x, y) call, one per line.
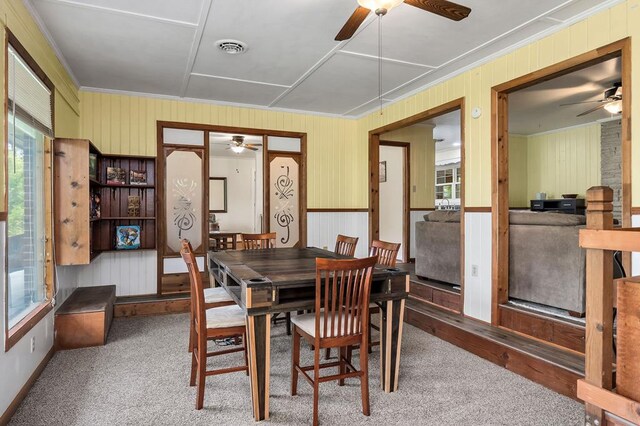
point(84, 318)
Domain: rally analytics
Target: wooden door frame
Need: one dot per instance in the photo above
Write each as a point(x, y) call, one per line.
point(500, 155)
point(406, 193)
point(374, 178)
point(208, 128)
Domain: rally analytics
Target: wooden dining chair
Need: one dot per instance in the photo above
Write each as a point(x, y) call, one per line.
point(214, 297)
point(387, 254)
point(259, 241)
point(215, 323)
point(346, 246)
point(340, 320)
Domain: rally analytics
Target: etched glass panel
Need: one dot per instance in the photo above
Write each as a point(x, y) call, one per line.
point(284, 201)
point(184, 194)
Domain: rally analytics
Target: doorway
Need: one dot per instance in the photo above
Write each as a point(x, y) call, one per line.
point(236, 194)
point(394, 189)
point(504, 155)
point(418, 132)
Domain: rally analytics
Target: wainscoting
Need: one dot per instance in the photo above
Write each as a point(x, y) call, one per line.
point(322, 228)
point(133, 273)
point(477, 252)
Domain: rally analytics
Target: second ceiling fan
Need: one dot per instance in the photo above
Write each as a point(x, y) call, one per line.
point(443, 8)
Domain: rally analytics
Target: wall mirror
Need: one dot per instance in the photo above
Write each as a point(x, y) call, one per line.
point(218, 194)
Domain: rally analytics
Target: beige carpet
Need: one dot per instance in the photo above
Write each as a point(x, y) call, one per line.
point(141, 378)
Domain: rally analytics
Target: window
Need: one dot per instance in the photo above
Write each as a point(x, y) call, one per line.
point(29, 120)
point(448, 183)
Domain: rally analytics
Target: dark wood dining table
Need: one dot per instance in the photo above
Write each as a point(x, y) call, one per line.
point(270, 281)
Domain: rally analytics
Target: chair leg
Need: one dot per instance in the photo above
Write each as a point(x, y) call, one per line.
point(202, 366)
point(288, 323)
point(246, 356)
point(192, 331)
point(327, 353)
point(316, 383)
point(369, 331)
point(342, 367)
point(295, 360)
point(364, 381)
point(194, 366)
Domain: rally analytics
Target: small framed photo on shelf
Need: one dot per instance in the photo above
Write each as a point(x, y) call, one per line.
point(138, 177)
point(116, 176)
point(127, 237)
point(93, 166)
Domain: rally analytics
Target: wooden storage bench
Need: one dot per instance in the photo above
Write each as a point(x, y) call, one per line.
point(84, 318)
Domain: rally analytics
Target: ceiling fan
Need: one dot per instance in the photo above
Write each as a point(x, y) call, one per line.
point(443, 8)
point(611, 101)
point(237, 145)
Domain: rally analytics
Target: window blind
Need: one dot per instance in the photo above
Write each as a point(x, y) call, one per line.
point(29, 98)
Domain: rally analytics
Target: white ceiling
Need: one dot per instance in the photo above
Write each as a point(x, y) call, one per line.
point(538, 108)
point(446, 127)
point(168, 47)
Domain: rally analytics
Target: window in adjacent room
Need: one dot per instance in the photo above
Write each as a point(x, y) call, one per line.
point(448, 183)
point(29, 122)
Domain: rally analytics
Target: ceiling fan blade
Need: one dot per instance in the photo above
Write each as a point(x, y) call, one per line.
point(592, 110)
point(251, 148)
point(585, 102)
point(353, 23)
point(253, 144)
point(442, 7)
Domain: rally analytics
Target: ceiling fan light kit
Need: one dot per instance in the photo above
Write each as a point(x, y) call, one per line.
point(237, 148)
point(614, 107)
point(380, 5)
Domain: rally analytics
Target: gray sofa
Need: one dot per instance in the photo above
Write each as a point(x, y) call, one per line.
point(546, 265)
point(438, 246)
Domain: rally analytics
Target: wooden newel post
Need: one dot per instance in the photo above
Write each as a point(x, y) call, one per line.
point(599, 301)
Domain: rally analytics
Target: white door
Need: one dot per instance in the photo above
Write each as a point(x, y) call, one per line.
point(392, 192)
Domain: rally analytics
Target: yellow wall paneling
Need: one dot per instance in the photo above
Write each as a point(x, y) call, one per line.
point(563, 161)
point(406, 129)
point(563, 146)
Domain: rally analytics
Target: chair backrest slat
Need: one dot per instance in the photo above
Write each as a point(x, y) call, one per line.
point(195, 280)
point(345, 245)
point(259, 241)
point(387, 252)
point(342, 296)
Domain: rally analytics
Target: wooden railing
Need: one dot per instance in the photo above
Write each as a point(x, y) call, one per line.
point(603, 405)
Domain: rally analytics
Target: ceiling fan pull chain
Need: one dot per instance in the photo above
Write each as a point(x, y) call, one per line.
point(380, 60)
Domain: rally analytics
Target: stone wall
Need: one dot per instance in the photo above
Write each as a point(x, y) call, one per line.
point(611, 162)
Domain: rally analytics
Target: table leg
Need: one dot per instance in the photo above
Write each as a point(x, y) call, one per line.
point(259, 349)
point(391, 319)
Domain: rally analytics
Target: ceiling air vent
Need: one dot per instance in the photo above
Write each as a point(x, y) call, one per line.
point(232, 47)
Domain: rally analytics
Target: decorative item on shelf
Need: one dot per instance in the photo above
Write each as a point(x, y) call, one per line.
point(93, 166)
point(383, 171)
point(541, 195)
point(214, 226)
point(569, 195)
point(94, 212)
point(127, 237)
point(133, 206)
point(138, 177)
point(116, 176)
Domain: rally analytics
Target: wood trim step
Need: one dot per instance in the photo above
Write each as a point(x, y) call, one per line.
point(337, 210)
point(635, 210)
point(551, 367)
point(477, 209)
point(13, 407)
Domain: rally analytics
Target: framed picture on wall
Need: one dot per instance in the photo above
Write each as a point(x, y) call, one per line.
point(218, 195)
point(383, 171)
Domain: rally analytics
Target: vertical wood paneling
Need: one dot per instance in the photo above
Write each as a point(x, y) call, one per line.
point(324, 227)
point(132, 273)
point(566, 161)
point(477, 252)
